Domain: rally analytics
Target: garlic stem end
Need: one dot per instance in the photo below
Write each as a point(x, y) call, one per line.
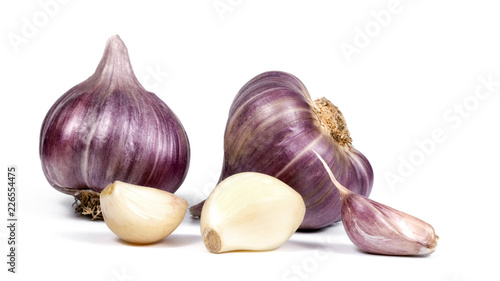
point(212, 240)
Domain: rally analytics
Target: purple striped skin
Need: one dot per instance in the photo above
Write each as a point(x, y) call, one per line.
point(272, 129)
point(110, 128)
point(380, 229)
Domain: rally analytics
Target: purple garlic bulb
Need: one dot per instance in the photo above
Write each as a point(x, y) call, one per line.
point(109, 128)
point(272, 128)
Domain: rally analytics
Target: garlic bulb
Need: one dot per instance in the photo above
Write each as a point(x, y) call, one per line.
point(250, 211)
point(380, 229)
point(272, 127)
point(139, 214)
point(110, 128)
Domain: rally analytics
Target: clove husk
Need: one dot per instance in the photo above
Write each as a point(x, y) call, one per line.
point(380, 229)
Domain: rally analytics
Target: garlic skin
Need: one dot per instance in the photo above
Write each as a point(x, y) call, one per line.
point(141, 215)
point(273, 125)
point(110, 128)
point(380, 229)
point(250, 211)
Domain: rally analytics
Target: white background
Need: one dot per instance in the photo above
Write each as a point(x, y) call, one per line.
point(409, 77)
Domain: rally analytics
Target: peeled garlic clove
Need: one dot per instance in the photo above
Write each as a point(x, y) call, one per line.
point(380, 229)
point(250, 211)
point(139, 214)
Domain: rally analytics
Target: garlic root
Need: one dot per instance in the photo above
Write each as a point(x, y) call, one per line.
point(87, 203)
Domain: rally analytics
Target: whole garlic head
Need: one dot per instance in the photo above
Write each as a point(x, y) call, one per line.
point(139, 214)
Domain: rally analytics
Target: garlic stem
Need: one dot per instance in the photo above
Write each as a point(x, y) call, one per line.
point(115, 67)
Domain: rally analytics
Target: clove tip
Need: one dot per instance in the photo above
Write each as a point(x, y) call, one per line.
point(115, 42)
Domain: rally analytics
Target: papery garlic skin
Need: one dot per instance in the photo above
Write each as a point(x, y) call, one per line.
point(110, 128)
point(380, 229)
point(272, 127)
point(141, 215)
point(250, 211)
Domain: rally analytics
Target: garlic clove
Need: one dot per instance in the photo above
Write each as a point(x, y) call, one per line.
point(380, 229)
point(139, 214)
point(250, 211)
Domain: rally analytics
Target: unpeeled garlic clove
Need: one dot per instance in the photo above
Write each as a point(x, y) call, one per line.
point(139, 214)
point(380, 229)
point(250, 211)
